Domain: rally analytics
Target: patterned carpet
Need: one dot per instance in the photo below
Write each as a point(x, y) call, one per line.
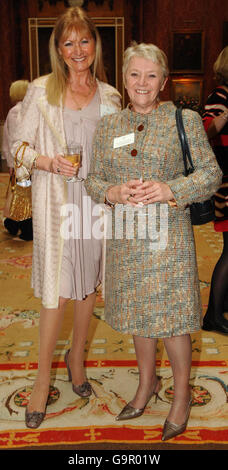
point(111, 367)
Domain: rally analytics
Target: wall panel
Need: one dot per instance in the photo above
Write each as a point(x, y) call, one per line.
point(145, 20)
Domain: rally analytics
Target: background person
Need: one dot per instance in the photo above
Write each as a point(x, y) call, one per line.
point(216, 124)
point(63, 108)
point(152, 294)
point(17, 92)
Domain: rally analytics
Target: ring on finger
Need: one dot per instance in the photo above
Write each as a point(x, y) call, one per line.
point(58, 170)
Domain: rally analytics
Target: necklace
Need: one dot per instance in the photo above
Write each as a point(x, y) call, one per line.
point(85, 98)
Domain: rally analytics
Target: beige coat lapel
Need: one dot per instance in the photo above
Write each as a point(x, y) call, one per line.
point(53, 117)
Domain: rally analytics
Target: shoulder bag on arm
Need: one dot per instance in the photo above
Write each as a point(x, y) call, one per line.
point(200, 212)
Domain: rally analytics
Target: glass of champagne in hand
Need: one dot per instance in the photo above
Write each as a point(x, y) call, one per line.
point(73, 154)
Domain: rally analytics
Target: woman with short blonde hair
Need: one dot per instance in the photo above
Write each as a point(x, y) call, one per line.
point(147, 51)
point(151, 286)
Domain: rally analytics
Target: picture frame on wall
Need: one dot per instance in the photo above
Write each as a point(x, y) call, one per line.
point(187, 51)
point(225, 34)
point(187, 93)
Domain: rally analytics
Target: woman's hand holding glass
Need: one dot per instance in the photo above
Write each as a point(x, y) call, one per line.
point(73, 154)
point(60, 165)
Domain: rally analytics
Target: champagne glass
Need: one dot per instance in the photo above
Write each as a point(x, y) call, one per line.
point(73, 154)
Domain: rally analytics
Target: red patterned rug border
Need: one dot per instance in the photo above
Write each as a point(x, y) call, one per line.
point(107, 363)
point(108, 434)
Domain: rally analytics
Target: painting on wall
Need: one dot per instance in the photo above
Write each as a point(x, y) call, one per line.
point(187, 93)
point(187, 51)
point(225, 34)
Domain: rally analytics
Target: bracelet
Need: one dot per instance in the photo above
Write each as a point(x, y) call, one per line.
point(16, 163)
point(109, 203)
point(224, 116)
point(172, 203)
point(34, 163)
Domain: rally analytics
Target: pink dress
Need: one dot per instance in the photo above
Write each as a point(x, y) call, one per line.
point(81, 270)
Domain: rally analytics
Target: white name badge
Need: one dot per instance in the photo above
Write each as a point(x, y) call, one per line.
point(124, 140)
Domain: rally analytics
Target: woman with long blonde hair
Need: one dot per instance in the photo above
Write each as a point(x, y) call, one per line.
point(59, 110)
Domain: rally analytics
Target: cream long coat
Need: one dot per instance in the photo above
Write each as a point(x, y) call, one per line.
point(41, 125)
point(8, 131)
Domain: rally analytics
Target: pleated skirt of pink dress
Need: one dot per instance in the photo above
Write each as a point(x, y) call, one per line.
point(81, 270)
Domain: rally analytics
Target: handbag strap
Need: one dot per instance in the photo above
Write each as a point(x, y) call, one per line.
point(188, 163)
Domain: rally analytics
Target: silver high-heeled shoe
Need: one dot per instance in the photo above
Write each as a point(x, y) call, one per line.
point(84, 390)
point(34, 419)
point(129, 412)
point(171, 430)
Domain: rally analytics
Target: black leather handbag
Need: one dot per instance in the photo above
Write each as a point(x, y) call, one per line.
point(200, 212)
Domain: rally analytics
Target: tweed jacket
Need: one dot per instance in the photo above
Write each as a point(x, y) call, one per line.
point(41, 125)
point(151, 285)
